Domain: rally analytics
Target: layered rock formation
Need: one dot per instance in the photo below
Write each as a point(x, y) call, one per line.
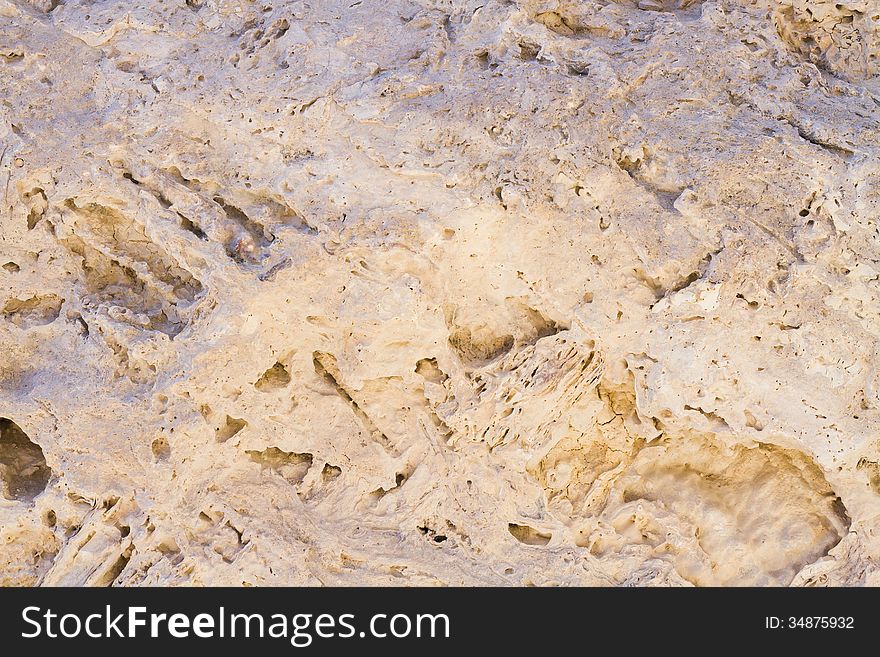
point(481, 292)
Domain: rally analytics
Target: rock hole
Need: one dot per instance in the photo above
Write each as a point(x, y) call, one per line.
point(274, 378)
point(330, 472)
point(23, 470)
point(187, 224)
point(160, 448)
point(528, 51)
point(435, 532)
point(36, 311)
point(528, 535)
point(34, 217)
point(255, 229)
point(428, 369)
point(115, 569)
point(532, 324)
point(478, 346)
point(159, 196)
point(873, 472)
point(231, 427)
point(753, 305)
point(292, 466)
point(760, 514)
point(556, 22)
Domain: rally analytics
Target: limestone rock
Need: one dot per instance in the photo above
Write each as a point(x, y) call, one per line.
point(468, 292)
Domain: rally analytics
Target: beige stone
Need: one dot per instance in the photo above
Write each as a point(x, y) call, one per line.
point(467, 292)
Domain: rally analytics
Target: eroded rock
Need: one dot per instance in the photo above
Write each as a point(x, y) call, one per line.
point(439, 292)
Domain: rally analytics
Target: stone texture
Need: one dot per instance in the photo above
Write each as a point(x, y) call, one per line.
point(475, 292)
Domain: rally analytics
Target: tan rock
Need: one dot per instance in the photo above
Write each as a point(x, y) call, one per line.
point(429, 292)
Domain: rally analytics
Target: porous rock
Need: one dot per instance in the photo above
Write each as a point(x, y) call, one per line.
point(467, 292)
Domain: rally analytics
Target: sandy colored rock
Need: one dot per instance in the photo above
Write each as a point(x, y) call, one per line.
point(467, 292)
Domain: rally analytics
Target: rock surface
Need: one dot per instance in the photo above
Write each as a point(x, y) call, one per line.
point(481, 292)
